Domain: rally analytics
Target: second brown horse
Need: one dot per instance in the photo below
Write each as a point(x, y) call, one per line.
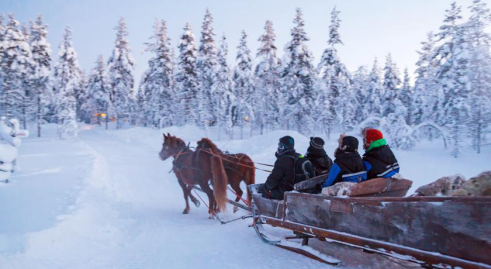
point(238, 167)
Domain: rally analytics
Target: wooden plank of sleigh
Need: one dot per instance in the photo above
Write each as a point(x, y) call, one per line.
point(435, 231)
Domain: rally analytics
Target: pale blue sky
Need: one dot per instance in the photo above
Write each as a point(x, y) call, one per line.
point(369, 28)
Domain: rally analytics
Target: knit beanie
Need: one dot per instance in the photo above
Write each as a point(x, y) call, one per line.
point(373, 135)
point(317, 142)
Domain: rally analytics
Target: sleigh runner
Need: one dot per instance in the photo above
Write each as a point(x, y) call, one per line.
point(431, 231)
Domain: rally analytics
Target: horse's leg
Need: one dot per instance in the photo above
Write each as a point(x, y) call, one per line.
point(235, 184)
point(215, 205)
point(193, 199)
point(249, 179)
point(186, 194)
point(211, 199)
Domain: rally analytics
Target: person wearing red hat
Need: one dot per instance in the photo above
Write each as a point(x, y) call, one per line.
point(379, 160)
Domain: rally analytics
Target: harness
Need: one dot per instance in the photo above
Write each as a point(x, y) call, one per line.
point(177, 165)
point(229, 165)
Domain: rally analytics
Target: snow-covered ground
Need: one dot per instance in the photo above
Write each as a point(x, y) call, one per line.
point(105, 200)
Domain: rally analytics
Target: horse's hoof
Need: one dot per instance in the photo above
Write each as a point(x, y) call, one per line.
point(211, 216)
point(186, 211)
point(236, 209)
point(197, 203)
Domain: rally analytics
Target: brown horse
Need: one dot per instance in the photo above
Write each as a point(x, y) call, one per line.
point(176, 148)
point(193, 170)
point(239, 167)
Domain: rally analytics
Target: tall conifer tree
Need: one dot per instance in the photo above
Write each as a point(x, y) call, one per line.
point(121, 66)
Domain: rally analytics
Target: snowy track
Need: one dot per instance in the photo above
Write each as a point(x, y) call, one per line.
point(127, 214)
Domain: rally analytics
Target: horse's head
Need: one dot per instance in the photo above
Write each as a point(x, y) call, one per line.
point(172, 145)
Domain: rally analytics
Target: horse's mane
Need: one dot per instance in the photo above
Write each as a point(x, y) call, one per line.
point(207, 143)
point(175, 141)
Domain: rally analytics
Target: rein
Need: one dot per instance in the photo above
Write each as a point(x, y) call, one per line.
point(208, 150)
point(176, 168)
point(235, 157)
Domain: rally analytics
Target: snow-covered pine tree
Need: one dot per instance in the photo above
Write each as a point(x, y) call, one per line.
point(390, 85)
point(120, 66)
point(298, 78)
point(243, 85)
point(187, 78)
point(374, 92)
point(337, 103)
point(457, 110)
point(480, 72)
point(67, 80)
point(81, 95)
point(99, 89)
point(406, 95)
point(448, 29)
point(222, 92)
point(452, 56)
point(16, 66)
point(360, 82)
point(207, 68)
point(2, 92)
point(28, 99)
point(425, 86)
point(334, 37)
point(157, 85)
point(148, 92)
point(267, 95)
point(2, 26)
point(41, 55)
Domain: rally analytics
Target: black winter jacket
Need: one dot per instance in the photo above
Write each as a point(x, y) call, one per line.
point(282, 177)
point(381, 159)
point(320, 160)
point(349, 163)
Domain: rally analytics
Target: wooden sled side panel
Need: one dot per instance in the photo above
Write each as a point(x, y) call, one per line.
point(457, 227)
point(268, 207)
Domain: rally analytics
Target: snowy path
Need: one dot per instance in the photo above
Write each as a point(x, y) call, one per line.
point(127, 214)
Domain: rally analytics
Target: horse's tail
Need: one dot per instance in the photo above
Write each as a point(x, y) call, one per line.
point(220, 180)
point(249, 180)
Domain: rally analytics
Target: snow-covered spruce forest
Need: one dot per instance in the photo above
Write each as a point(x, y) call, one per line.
point(193, 84)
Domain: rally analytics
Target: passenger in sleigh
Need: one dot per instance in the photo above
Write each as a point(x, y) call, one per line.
point(318, 156)
point(283, 177)
point(379, 160)
point(348, 165)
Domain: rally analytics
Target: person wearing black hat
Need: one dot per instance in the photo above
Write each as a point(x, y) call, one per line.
point(282, 177)
point(348, 165)
point(318, 156)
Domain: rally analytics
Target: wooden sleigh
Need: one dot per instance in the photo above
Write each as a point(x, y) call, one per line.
point(376, 217)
